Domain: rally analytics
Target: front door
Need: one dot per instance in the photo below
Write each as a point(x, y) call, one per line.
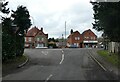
point(40, 45)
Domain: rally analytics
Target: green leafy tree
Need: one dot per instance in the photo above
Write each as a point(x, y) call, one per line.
point(8, 50)
point(13, 31)
point(21, 19)
point(107, 16)
point(3, 8)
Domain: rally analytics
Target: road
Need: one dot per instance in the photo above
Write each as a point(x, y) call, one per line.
point(60, 64)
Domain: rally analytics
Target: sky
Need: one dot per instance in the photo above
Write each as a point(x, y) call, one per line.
point(52, 14)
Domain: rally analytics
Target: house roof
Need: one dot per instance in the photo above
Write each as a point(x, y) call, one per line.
point(35, 31)
point(73, 34)
point(86, 31)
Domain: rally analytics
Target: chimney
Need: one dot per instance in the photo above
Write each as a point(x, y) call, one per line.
point(41, 28)
point(71, 31)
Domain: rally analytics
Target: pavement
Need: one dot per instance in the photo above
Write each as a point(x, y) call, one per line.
point(9, 68)
point(107, 65)
point(61, 64)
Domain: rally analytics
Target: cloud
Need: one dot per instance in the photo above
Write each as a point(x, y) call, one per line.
point(52, 14)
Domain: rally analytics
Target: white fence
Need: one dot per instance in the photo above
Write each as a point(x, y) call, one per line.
point(114, 47)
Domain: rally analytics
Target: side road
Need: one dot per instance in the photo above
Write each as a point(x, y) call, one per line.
point(111, 68)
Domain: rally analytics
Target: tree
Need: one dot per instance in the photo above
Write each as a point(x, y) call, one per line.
point(8, 50)
point(13, 31)
point(21, 19)
point(107, 18)
point(4, 9)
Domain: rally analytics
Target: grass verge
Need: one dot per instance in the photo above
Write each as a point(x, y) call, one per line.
point(113, 58)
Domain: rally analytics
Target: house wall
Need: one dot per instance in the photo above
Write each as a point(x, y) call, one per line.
point(42, 39)
point(91, 39)
point(89, 36)
point(29, 43)
point(35, 33)
point(74, 41)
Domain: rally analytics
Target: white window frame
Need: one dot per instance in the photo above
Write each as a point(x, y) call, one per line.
point(75, 38)
point(30, 39)
point(25, 39)
point(78, 38)
point(75, 44)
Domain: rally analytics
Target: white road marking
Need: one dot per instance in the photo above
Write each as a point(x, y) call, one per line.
point(99, 63)
point(62, 59)
point(44, 52)
point(62, 51)
point(48, 77)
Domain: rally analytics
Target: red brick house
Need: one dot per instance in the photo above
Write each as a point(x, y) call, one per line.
point(86, 39)
point(75, 40)
point(36, 38)
point(89, 39)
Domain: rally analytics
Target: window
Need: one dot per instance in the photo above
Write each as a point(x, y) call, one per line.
point(91, 38)
point(86, 37)
point(38, 39)
point(75, 38)
point(42, 39)
point(30, 39)
point(75, 44)
point(25, 39)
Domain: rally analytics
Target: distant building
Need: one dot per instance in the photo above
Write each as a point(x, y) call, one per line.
point(61, 43)
point(36, 38)
point(85, 40)
point(89, 39)
point(75, 40)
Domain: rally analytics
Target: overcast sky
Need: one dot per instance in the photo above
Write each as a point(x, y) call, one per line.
point(52, 14)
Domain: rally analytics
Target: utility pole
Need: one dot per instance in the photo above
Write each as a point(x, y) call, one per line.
point(65, 33)
point(62, 40)
point(65, 29)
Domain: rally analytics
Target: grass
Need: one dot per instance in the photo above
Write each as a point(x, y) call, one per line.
point(113, 58)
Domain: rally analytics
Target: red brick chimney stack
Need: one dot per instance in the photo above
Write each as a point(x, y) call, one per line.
point(42, 29)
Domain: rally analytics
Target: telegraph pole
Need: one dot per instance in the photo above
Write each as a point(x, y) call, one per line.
point(65, 29)
point(65, 33)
